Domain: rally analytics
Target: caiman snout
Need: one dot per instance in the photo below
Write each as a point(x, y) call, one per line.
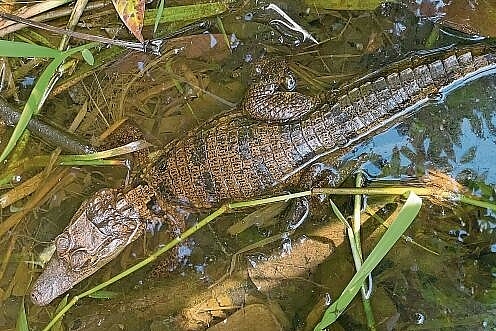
point(102, 227)
point(56, 279)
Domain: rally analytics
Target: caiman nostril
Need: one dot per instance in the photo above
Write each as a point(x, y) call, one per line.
point(36, 298)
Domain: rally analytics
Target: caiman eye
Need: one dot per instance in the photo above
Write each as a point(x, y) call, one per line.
point(62, 244)
point(79, 259)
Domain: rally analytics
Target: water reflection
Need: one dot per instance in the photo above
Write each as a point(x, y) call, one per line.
point(456, 135)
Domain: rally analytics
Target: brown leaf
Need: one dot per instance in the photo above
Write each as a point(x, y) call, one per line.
point(132, 13)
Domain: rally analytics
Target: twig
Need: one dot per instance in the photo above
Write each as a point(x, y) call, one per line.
point(79, 35)
point(52, 135)
point(53, 14)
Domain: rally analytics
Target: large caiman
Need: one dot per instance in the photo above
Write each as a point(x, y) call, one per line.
point(255, 150)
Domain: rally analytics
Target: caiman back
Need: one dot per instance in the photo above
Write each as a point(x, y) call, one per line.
point(238, 156)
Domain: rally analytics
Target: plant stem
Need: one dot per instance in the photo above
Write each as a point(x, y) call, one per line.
point(366, 289)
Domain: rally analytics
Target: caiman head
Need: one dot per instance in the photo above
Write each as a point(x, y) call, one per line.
point(101, 228)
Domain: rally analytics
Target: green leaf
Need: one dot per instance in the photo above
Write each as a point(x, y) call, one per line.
point(19, 49)
point(405, 217)
point(22, 321)
point(185, 13)
point(104, 294)
point(158, 15)
point(38, 95)
point(88, 57)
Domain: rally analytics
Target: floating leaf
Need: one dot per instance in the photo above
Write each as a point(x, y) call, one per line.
point(132, 13)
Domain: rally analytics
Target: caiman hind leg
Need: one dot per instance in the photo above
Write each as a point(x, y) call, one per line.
point(318, 175)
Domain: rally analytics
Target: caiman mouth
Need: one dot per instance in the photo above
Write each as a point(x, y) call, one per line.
point(102, 227)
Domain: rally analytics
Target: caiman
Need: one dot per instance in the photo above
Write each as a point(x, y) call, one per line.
point(257, 149)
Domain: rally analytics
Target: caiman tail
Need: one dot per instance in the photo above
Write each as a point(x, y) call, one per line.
point(251, 152)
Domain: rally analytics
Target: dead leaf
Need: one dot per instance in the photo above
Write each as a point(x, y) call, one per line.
point(132, 13)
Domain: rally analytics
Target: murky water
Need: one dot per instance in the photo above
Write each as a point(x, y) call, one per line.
point(445, 280)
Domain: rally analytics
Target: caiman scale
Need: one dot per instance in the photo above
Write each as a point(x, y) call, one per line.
point(255, 150)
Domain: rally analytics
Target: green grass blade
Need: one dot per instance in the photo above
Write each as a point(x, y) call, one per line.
point(345, 5)
point(22, 321)
point(158, 15)
point(38, 95)
point(20, 49)
point(185, 13)
point(405, 217)
point(33, 105)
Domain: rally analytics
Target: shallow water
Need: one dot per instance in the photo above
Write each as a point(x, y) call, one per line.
point(415, 289)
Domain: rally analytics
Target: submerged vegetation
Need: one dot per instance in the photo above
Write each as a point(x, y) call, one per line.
point(177, 77)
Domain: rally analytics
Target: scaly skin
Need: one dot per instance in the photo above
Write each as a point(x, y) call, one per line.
point(254, 151)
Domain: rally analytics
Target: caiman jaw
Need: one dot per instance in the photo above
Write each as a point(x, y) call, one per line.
point(102, 227)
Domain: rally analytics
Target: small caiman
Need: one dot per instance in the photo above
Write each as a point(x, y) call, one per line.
point(258, 149)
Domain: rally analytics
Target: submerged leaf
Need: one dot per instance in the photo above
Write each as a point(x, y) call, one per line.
point(345, 5)
point(104, 294)
point(22, 321)
point(186, 13)
point(262, 217)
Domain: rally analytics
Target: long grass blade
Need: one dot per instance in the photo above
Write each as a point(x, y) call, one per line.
point(158, 15)
point(405, 217)
point(19, 49)
point(38, 95)
point(185, 13)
